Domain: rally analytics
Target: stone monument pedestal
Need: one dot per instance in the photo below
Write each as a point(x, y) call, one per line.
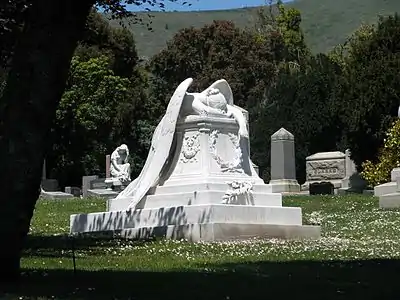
point(209, 191)
point(391, 200)
point(325, 167)
point(388, 187)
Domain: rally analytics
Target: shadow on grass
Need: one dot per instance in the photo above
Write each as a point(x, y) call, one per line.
point(364, 279)
point(62, 245)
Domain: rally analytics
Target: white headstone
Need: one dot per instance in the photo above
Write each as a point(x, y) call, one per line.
point(394, 174)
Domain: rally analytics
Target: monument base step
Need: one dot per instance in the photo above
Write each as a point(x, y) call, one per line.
point(223, 232)
point(385, 188)
point(390, 200)
point(198, 222)
point(193, 198)
point(284, 186)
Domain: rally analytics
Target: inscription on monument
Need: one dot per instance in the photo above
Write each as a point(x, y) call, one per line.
point(325, 170)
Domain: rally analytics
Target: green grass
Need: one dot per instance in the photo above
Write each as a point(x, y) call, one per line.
point(326, 23)
point(355, 258)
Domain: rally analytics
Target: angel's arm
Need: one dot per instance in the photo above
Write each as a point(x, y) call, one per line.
point(238, 116)
point(203, 109)
point(114, 163)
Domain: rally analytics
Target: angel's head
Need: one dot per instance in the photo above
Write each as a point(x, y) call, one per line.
point(123, 150)
point(215, 99)
point(213, 91)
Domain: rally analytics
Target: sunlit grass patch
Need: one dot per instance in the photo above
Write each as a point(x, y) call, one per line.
point(353, 227)
point(354, 231)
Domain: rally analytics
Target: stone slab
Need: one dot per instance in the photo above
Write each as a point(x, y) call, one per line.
point(389, 201)
point(55, 195)
point(184, 215)
point(103, 193)
point(224, 232)
point(191, 198)
point(386, 188)
point(86, 184)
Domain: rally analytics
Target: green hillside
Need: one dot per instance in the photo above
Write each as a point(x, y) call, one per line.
point(325, 22)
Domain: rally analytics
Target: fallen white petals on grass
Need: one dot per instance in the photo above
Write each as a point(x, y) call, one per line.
point(349, 233)
point(352, 228)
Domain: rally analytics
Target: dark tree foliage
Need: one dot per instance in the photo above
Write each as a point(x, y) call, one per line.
point(11, 20)
point(301, 101)
point(369, 90)
point(219, 50)
point(80, 149)
point(99, 38)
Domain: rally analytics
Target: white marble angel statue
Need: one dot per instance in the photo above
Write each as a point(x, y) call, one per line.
point(120, 167)
point(216, 100)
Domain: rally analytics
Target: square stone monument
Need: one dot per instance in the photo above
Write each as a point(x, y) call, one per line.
point(325, 167)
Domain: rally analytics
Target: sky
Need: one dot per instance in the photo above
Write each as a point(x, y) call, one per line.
point(203, 5)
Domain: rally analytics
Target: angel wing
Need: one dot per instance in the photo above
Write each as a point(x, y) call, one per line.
point(160, 149)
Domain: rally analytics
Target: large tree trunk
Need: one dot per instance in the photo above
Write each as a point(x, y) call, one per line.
point(35, 85)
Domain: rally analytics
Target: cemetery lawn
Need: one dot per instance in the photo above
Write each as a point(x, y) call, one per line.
point(356, 258)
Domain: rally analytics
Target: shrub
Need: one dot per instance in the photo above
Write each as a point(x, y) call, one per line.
point(389, 158)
